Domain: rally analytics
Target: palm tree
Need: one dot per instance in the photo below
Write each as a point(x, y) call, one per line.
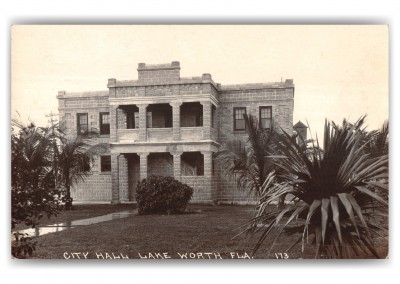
point(34, 192)
point(334, 194)
point(74, 159)
point(247, 161)
point(379, 141)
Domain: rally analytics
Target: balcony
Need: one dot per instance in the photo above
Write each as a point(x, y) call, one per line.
point(162, 122)
point(127, 135)
point(191, 133)
point(159, 134)
point(214, 134)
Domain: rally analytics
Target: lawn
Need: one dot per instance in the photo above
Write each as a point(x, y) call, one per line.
point(205, 234)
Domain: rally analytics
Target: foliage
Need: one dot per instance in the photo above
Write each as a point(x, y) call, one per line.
point(248, 162)
point(22, 246)
point(335, 204)
point(33, 189)
point(73, 162)
point(158, 194)
point(378, 143)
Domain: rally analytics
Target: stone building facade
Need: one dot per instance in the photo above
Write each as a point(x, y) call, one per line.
point(164, 124)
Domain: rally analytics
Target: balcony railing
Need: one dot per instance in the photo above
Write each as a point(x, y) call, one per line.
point(214, 134)
point(128, 135)
point(165, 134)
point(159, 134)
point(191, 133)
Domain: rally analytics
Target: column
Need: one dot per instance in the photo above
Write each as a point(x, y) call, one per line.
point(177, 165)
point(142, 122)
point(143, 165)
point(123, 178)
point(114, 178)
point(207, 163)
point(113, 124)
point(216, 123)
point(206, 120)
point(209, 191)
point(176, 120)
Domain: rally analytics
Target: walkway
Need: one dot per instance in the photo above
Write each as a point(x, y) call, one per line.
point(54, 228)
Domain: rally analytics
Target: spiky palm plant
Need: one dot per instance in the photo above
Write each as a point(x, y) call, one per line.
point(379, 141)
point(333, 194)
point(247, 161)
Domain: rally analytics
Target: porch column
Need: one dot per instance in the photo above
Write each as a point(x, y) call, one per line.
point(113, 124)
point(123, 178)
point(114, 178)
point(142, 122)
point(177, 165)
point(210, 190)
point(207, 163)
point(176, 120)
point(143, 165)
point(206, 120)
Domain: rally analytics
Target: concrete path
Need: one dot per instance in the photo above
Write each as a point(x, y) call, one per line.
point(54, 228)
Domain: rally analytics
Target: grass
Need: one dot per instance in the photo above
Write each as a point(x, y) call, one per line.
point(205, 234)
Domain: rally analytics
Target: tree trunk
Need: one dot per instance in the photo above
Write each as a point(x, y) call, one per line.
point(281, 202)
point(68, 199)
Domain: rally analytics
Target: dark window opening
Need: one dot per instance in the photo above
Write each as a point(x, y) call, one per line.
point(82, 119)
point(159, 116)
point(105, 163)
point(265, 117)
point(104, 123)
point(132, 116)
point(191, 114)
point(238, 119)
point(192, 164)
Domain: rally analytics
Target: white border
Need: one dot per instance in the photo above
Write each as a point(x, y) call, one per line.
point(205, 11)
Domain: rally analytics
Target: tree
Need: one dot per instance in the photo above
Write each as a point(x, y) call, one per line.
point(334, 194)
point(34, 192)
point(249, 161)
point(73, 161)
point(378, 143)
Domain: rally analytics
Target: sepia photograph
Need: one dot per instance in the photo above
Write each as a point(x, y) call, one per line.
point(199, 142)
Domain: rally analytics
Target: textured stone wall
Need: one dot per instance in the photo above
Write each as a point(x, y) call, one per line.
point(160, 81)
point(202, 191)
point(160, 164)
point(97, 186)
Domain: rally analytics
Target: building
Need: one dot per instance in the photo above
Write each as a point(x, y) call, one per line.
point(164, 124)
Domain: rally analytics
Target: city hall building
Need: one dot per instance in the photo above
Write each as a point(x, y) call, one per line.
point(165, 124)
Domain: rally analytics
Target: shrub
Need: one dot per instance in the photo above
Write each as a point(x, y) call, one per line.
point(22, 246)
point(158, 194)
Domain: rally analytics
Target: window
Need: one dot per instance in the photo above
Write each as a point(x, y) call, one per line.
point(105, 163)
point(82, 119)
point(104, 123)
point(238, 119)
point(265, 117)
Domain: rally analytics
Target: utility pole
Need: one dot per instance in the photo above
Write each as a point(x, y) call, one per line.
point(53, 121)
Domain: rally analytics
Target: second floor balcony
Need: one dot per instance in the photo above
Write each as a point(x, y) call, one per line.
point(165, 122)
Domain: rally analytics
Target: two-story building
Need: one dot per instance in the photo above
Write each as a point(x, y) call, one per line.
point(164, 124)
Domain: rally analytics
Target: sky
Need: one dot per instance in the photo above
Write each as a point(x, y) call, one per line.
point(339, 71)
